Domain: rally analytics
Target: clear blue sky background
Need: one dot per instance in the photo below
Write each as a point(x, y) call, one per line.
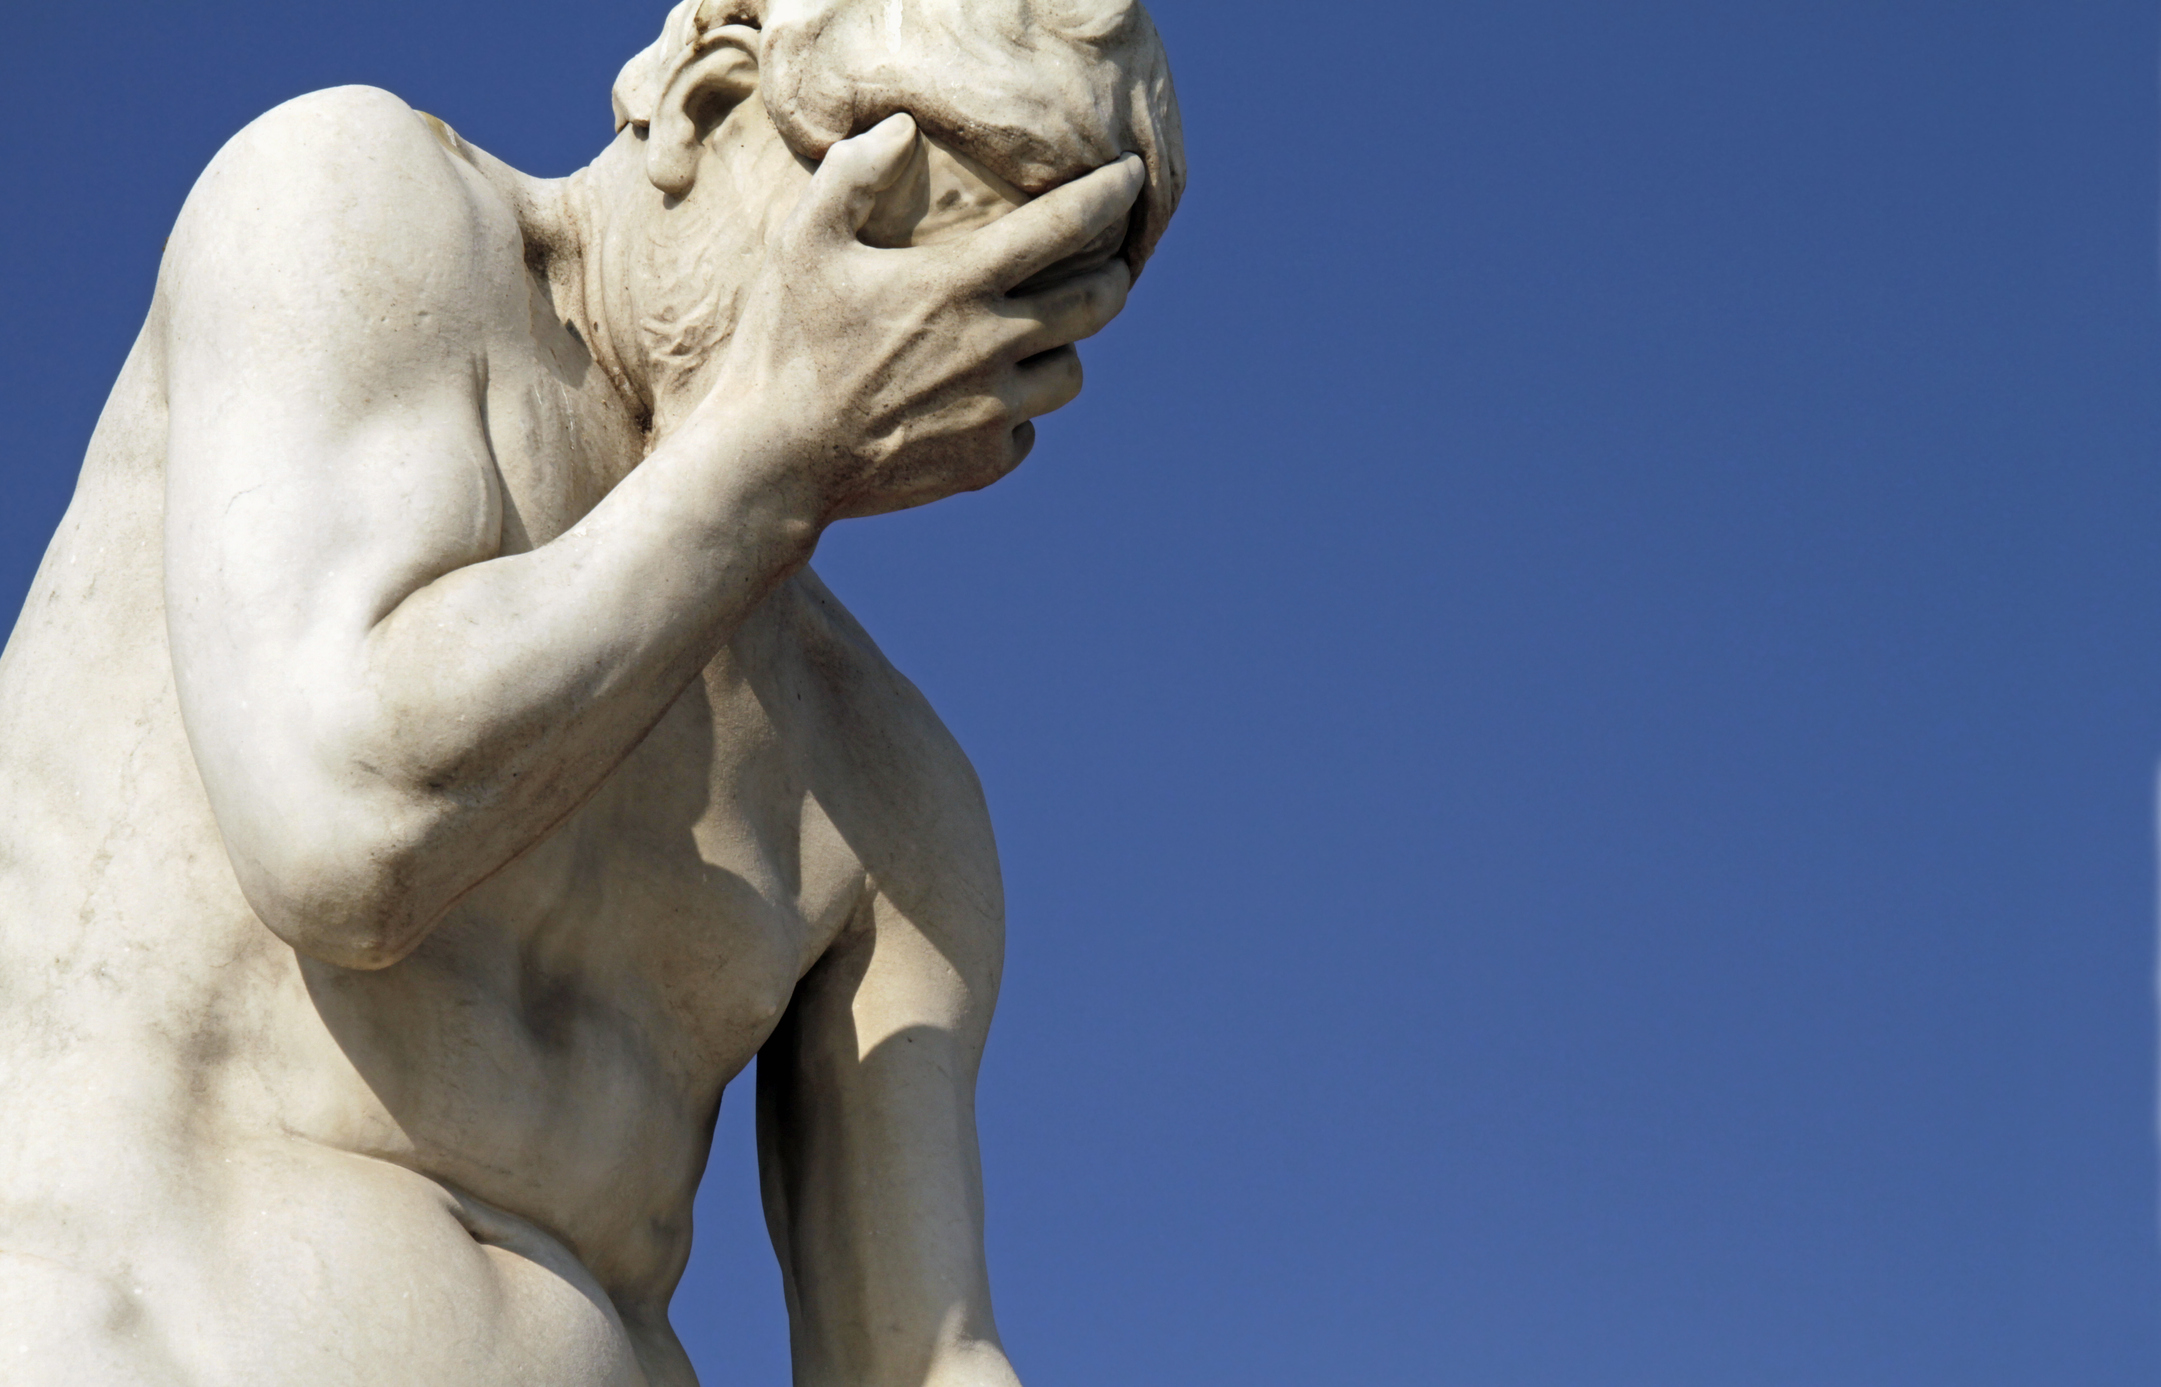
point(1573, 718)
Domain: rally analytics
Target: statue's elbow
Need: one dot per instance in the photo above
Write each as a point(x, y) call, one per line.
point(357, 906)
point(365, 945)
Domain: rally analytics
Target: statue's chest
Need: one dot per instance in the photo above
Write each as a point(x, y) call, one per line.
point(683, 902)
point(561, 1037)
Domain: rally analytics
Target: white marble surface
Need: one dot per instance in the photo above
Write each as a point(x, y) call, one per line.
point(433, 771)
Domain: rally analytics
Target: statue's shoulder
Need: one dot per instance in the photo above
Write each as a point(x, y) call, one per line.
point(875, 733)
point(837, 654)
point(357, 110)
point(345, 186)
point(335, 151)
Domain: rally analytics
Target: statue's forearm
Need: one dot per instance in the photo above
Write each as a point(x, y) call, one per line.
point(490, 702)
point(867, 1143)
point(494, 670)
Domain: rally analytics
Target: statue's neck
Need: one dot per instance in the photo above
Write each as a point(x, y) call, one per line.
point(563, 224)
point(660, 279)
point(593, 285)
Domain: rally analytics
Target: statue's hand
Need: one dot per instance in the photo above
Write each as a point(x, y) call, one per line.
point(883, 379)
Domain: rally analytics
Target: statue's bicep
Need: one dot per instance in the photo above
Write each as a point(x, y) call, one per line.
point(326, 449)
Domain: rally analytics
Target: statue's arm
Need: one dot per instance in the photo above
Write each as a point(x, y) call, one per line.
point(384, 707)
point(866, 1118)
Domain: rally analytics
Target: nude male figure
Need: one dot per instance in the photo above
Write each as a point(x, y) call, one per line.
point(431, 771)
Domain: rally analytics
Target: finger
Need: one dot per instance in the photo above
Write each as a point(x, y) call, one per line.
point(1060, 223)
point(854, 172)
point(980, 448)
point(994, 464)
point(1071, 312)
point(1045, 383)
point(998, 463)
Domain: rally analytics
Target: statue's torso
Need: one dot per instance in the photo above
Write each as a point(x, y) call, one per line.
point(198, 1109)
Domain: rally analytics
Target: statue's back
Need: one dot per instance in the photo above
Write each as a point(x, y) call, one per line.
point(109, 861)
point(155, 1048)
point(108, 842)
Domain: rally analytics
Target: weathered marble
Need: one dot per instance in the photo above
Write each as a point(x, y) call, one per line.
point(432, 771)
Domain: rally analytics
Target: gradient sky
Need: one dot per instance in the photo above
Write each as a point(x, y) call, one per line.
point(1573, 718)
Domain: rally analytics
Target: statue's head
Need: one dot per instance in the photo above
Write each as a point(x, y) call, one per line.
point(1013, 97)
point(721, 121)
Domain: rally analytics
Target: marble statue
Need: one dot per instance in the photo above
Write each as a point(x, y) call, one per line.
point(432, 770)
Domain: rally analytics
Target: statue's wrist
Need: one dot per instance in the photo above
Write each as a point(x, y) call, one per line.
point(755, 472)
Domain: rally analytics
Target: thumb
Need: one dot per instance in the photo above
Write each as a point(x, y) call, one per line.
point(854, 173)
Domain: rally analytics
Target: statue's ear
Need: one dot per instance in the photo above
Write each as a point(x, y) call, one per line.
point(710, 78)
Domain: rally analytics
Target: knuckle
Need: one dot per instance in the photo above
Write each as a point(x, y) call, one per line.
point(844, 163)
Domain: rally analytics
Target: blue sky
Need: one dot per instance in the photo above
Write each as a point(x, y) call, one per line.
point(1573, 718)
